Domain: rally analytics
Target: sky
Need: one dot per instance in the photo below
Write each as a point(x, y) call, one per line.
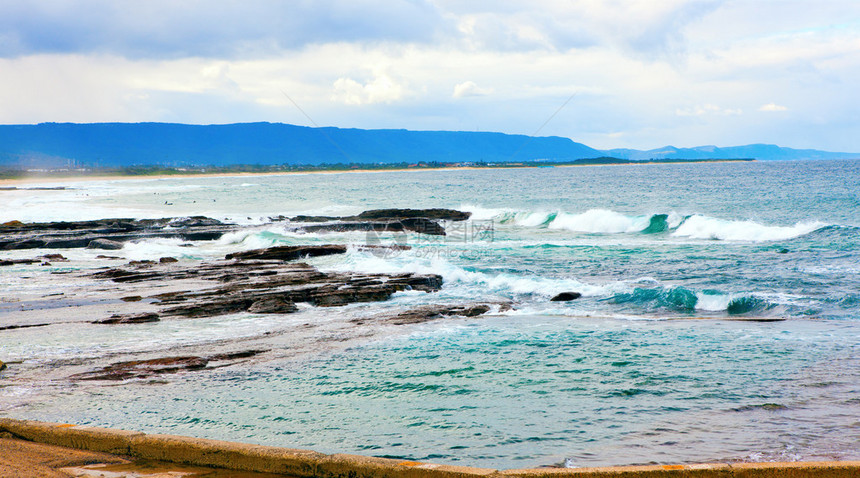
point(611, 74)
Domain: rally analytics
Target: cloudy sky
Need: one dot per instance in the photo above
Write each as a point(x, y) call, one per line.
point(638, 73)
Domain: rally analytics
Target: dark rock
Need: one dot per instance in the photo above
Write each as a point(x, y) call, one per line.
point(166, 260)
point(772, 407)
point(106, 244)
point(424, 221)
point(316, 218)
point(349, 295)
point(54, 258)
point(439, 214)
point(272, 305)
point(100, 256)
point(782, 251)
point(12, 262)
point(131, 298)
point(433, 312)
point(420, 225)
point(144, 368)
point(236, 355)
point(79, 234)
point(129, 319)
point(145, 262)
point(566, 296)
point(149, 368)
point(267, 285)
point(288, 253)
point(13, 327)
point(2, 365)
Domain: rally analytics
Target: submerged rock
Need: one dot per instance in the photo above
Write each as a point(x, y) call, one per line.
point(433, 312)
point(141, 369)
point(12, 262)
point(144, 368)
point(54, 257)
point(129, 319)
point(25, 326)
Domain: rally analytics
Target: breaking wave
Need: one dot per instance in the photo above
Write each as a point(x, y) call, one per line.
point(605, 221)
point(642, 293)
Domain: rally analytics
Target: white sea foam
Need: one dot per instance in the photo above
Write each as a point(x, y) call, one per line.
point(713, 302)
point(599, 221)
point(592, 221)
point(704, 227)
point(605, 221)
point(466, 281)
point(153, 249)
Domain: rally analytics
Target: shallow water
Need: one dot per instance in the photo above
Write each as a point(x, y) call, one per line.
point(650, 365)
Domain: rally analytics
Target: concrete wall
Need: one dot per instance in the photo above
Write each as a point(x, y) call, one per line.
point(306, 463)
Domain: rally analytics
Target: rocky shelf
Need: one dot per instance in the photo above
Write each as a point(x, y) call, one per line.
point(113, 233)
point(423, 221)
point(259, 281)
point(107, 233)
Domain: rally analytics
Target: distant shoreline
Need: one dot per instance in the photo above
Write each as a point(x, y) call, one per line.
point(8, 183)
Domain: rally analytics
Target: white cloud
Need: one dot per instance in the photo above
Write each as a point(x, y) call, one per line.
point(770, 107)
point(469, 88)
point(381, 89)
point(646, 73)
point(708, 109)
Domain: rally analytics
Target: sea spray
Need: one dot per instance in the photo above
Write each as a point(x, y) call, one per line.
point(704, 227)
point(605, 221)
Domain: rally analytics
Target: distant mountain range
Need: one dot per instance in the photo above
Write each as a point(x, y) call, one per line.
point(53, 145)
point(765, 152)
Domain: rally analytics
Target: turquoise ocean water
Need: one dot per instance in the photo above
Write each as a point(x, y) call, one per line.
point(658, 361)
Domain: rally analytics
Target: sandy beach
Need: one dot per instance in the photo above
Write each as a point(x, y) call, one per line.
point(64, 179)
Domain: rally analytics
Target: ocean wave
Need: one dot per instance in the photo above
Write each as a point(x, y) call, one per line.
point(463, 279)
point(704, 227)
point(683, 300)
point(635, 294)
point(605, 221)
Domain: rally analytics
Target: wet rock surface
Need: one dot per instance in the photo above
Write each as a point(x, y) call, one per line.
point(288, 307)
point(45, 258)
point(288, 253)
point(112, 234)
point(260, 281)
point(433, 312)
point(423, 221)
point(141, 369)
point(107, 233)
point(391, 214)
point(129, 319)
